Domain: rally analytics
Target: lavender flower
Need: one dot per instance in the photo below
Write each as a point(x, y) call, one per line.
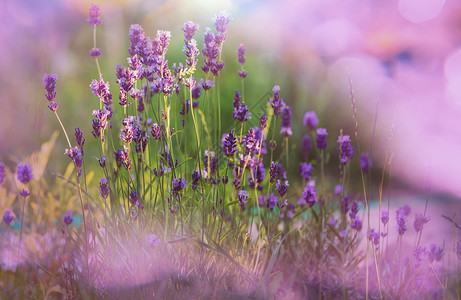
point(241, 113)
point(122, 157)
point(307, 146)
point(134, 198)
point(419, 253)
point(257, 177)
point(24, 172)
point(250, 142)
point(373, 236)
point(276, 171)
point(385, 217)
point(282, 188)
point(130, 130)
point(153, 241)
point(101, 121)
point(95, 52)
point(242, 198)
point(310, 120)
point(156, 132)
point(270, 201)
point(309, 196)
point(177, 185)
point(104, 190)
point(276, 102)
point(263, 122)
point(236, 102)
point(286, 122)
point(2, 173)
point(207, 84)
point(401, 222)
point(197, 91)
point(189, 29)
point(305, 170)
point(365, 163)
point(435, 253)
point(291, 210)
point(191, 51)
point(195, 180)
point(210, 162)
point(102, 161)
point(79, 137)
point(354, 210)
point(68, 218)
point(241, 54)
point(8, 217)
point(221, 21)
point(76, 155)
point(101, 89)
point(420, 220)
point(24, 193)
point(93, 15)
point(229, 144)
point(137, 39)
point(356, 224)
point(345, 148)
point(49, 82)
point(321, 139)
point(161, 42)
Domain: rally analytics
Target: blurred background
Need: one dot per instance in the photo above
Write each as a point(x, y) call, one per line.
point(402, 57)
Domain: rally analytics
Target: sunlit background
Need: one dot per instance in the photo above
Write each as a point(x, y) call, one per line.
point(402, 59)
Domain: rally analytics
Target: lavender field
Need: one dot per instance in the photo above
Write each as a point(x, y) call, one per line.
point(230, 150)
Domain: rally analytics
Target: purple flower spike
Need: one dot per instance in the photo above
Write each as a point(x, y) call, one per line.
point(307, 146)
point(49, 82)
point(365, 163)
point(177, 185)
point(153, 241)
point(276, 102)
point(208, 84)
point(79, 137)
point(2, 173)
point(25, 173)
point(221, 21)
point(229, 144)
point(104, 190)
point(68, 218)
point(282, 188)
point(102, 90)
point(242, 197)
point(263, 122)
point(189, 29)
point(95, 52)
point(310, 120)
point(420, 220)
point(286, 122)
point(321, 139)
point(435, 253)
point(24, 193)
point(385, 217)
point(309, 196)
point(356, 224)
point(345, 148)
point(8, 218)
point(195, 180)
point(93, 15)
point(241, 54)
point(305, 170)
point(241, 113)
